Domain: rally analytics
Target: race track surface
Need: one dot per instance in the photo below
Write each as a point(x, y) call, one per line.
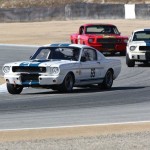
point(127, 101)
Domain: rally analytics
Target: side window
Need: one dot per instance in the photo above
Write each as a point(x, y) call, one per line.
point(81, 30)
point(43, 54)
point(89, 54)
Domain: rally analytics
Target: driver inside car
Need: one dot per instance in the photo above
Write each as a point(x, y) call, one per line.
point(75, 55)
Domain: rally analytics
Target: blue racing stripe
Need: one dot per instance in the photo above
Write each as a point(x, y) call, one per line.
point(33, 63)
point(30, 83)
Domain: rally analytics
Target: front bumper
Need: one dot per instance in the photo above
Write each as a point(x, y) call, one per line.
point(140, 56)
point(109, 47)
point(39, 81)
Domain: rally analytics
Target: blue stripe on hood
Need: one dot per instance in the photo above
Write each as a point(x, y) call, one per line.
point(33, 63)
point(147, 43)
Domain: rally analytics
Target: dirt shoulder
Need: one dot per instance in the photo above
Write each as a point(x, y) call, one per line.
point(40, 33)
point(72, 132)
point(2, 81)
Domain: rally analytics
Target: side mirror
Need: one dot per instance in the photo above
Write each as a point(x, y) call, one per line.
point(83, 59)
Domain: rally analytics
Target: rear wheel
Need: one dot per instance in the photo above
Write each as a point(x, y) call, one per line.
point(68, 83)
point(108, 80)
point(129, 62)
point(14, 89)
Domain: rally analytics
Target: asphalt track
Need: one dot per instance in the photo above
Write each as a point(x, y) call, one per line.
point(127, 101)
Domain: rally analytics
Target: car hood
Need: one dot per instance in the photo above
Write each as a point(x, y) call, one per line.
point(105, 36)
point(43, 63)
point(143, 43)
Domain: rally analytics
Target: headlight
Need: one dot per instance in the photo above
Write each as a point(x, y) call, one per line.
point(6, 69)
point(132, 48)
point(54, 70)
point(90, 40)
point(125, 40)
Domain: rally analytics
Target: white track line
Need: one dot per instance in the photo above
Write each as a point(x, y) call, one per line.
point(77, 126)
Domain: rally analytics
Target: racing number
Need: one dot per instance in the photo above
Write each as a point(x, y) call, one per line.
point(92, 72)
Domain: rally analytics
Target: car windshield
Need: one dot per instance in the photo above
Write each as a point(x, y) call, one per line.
point(141, 36)
point(57, 53)
point(101, 29)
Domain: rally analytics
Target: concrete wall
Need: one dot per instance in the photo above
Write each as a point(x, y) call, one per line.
point(94, 11)
point(142, 11)
point(32, 14)
point(77, 11)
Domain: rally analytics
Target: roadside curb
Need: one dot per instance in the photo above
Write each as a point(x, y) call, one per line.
point(73, 132)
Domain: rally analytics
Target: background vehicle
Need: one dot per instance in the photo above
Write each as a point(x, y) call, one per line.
point(138, 47)
point(61, 67)
point(103, 37)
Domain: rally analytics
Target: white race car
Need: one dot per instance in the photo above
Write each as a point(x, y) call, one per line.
point(138, 47)
point(62, 67)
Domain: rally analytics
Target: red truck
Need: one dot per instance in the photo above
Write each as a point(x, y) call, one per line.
point(103, 37)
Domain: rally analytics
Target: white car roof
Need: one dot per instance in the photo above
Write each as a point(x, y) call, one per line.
point(65, 44)
point(147, 29)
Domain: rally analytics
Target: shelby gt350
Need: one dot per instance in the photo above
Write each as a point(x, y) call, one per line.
point(138, 47)
point(103, 37)
point(62, 67)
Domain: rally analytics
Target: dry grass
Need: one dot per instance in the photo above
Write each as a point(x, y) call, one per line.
point(46, 3)
point(33, 3)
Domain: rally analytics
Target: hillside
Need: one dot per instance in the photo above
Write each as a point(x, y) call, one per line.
point(46, 3)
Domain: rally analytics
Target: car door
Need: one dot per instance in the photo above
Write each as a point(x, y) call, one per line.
point(91, 69)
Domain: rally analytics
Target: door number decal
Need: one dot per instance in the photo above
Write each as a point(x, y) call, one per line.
point(92, 72)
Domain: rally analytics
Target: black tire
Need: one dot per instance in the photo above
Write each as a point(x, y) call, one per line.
point(108, 80)
point(68, 83)
point(14, 89)
point(112, 53)
point(55, 88)
point(123, 53)
point(129, 62)
point(145, 62)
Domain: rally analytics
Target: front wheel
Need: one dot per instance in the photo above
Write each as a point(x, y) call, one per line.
point(108, 81)
point(129, 62)
point(68, 83)
point(123, 53)
point(14, 89)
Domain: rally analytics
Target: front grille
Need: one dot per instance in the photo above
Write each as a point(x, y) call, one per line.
point(29, 69)
point(109, 40)
point(29, 77)
point(147, 55)
point(144, 48)
point(108, 46)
